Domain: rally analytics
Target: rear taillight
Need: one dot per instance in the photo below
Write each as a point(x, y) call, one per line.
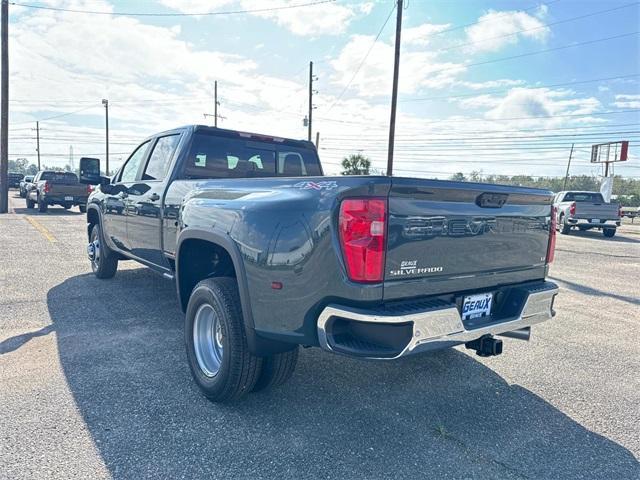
point(89, 189)
point(47, 187)
point(551, 249)
point(572, 209)
point(619, 211)
point(363, 230)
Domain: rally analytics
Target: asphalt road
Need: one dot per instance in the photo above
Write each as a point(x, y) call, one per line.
point(94, 382)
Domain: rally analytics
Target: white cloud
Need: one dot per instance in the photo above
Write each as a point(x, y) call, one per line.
point(495, 30)
point(322, 19)
point(627, 101)
point(535, 102)
point(501, 82)
point(366, 7)
point(195, 6)
point(417, 68)
point(419, 35)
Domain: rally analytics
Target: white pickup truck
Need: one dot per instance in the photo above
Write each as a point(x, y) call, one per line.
point(586, 210)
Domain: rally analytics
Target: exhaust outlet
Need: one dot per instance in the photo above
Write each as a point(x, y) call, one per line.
point(522, 334)
point(486, 346)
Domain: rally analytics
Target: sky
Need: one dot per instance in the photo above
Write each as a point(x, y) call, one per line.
point(499, 87)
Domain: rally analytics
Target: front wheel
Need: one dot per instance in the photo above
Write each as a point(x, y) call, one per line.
point(104, 262)
point(217, 350)
point(609, 232)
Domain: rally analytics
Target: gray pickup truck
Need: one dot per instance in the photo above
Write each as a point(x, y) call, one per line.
point(267, 254)
point(586, 210)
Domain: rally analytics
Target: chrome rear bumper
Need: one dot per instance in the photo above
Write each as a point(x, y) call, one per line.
point(439, 326)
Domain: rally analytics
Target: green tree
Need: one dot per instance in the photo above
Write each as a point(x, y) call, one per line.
point(458, 177)
point(19, 165)
point(356, 165)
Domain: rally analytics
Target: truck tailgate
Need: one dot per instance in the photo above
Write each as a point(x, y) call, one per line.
point(451, 236)
point(596, 210)
point(76, 190)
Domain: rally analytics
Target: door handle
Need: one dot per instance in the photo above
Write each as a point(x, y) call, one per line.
point(154, 196)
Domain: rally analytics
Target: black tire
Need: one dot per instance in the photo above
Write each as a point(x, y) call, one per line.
point(67, 207)
point(564, 227)
point(83, 208)
point(609, 232)
point(23, 194)
point(276, 369)
point(238, 369)
point(106, 263)
point(42, 206)
point(30, 203)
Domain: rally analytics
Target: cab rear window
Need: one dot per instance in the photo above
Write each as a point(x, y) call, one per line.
point(583, 197)
point(211, 156)
point(66, 178)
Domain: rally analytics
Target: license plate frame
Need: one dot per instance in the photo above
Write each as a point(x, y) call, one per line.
point(68, 199)
point(477, 305)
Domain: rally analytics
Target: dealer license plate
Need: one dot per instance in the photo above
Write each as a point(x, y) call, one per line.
point(475, 306)
point(70, 199)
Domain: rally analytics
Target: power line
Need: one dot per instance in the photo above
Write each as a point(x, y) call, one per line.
point(537, 52)
point(503, 90)
point(176, 14)
point(57, 116)
point(363, 60)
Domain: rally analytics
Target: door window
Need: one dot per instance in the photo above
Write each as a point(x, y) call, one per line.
point(130, 170)
point(158, 164)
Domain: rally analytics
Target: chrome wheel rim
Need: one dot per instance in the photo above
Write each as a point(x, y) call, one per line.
point(93, 251)
point(208, 340)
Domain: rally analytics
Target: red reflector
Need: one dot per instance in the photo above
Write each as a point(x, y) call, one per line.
point(47, 187)
point(89, 189)
point(551, 249)
point(276, 285)
point(363, 230)
point(572, 209)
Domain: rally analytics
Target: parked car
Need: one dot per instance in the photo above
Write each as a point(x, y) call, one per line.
point(586, 210)
point(24, 183)
point(14, 179)
point(268, 254)
point(57, 188)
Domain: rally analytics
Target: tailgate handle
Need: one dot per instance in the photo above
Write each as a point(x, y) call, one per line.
point(491, 200)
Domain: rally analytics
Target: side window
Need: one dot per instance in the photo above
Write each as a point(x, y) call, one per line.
point(160, 158)
point(130, 169)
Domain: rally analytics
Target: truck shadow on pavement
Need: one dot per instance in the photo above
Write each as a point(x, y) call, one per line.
point(51, 211)
point(597, 235)
point(121, 348)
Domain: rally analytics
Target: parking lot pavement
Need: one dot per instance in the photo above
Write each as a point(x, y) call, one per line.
point(94, 382)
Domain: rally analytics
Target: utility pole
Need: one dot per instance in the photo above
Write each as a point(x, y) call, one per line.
point(317, 140)
point(215, 104)
point(38, 142)
point(394, 92)
point(4, 107)
point(105, 102)
point(566, 177)
point(310, 98)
